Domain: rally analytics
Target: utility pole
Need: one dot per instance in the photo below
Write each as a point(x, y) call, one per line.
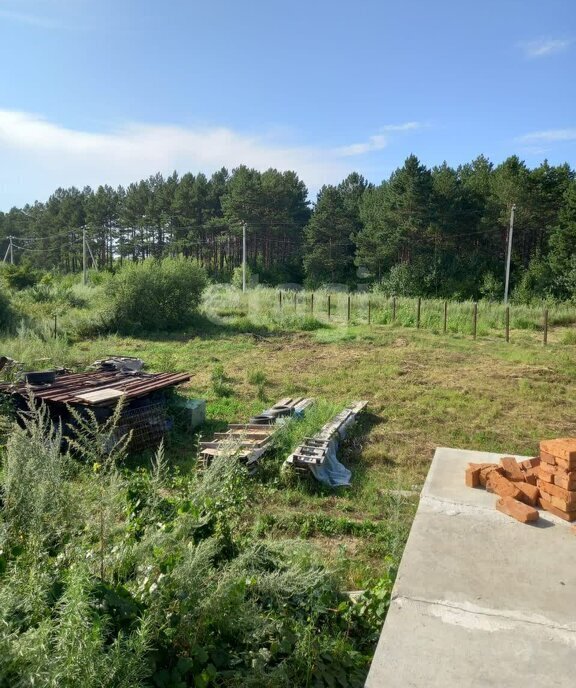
point(84, 258)
point(510, 232)
point(244, 257)
point(11, 252)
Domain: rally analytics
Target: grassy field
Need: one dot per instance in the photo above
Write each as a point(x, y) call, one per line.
point(424, 390)
point(243, 352)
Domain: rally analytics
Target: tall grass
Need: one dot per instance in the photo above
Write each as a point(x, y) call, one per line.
point(309, 310)
point(124, 580)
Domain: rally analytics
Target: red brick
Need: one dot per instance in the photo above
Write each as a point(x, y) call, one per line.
point(563, 448)
point(565, 464)
point(521, 512)
point(530, 493)
point(557, 475)
point(546, 468)
point(547, 458)
point(565, 480)
point(528, 464)
point(486, 470)
point(548, 506)
point(473, 476)
point(512, 469)
point(558, 502)
point(502, 486)
point(569, 496)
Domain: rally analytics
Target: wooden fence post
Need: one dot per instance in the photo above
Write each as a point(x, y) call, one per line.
point(348, 307)
point(55, 325)
point(418, 311)
point(393, 309)
point(507, 323)
point(328, 306)
point(475, 320)
point(312, 303)
point(545, 326)
point(445, 316)
point(280, 298)
point(369, 308)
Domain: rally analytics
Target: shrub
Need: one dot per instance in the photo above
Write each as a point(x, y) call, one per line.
point(6, 312)
point(155, 295)
point(19, 276)
point(237, 276)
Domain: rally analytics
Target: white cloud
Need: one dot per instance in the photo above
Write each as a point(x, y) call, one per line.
point(39, 155)
point(406, 126)
point(374, 143)
point(544, 46)
point(548, 136)
point(378, 141)
point(30, 19)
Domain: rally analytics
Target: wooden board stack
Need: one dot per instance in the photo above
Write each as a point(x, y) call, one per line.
point(557, 477)
point(247, 442)
point(314, 450)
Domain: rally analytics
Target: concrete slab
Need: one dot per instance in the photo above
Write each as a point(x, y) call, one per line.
point(480, 599)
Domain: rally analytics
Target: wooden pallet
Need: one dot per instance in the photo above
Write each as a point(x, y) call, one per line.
point(313, 450)
point(247, 442)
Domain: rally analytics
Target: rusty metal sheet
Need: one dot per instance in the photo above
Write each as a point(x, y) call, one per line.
point(66, 387)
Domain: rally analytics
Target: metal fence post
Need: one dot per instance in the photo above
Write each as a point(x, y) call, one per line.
point(545, 326)
point(507, 323)
point(418, 311)
point(475, 320)
point(445, 316)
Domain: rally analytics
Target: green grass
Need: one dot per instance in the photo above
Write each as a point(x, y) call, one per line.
point(424, 388)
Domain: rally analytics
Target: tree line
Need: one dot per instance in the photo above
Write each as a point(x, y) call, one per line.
point(440, 232)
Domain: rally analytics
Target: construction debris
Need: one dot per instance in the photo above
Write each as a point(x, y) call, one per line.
point(248, 442)
point(318, 454)
point(548, 481)
point(144, 397)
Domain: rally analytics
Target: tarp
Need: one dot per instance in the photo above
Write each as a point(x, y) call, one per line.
point(331, 472)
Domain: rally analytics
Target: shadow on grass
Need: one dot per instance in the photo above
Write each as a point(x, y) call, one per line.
point(206, 328)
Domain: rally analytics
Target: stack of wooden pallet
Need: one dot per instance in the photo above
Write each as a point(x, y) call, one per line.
point(247, 442)
point(314, 450)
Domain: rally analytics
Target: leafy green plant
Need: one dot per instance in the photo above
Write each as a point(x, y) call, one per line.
point(155, 295)
point(220, 381)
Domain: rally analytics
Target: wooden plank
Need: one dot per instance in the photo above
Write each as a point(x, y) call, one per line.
point(99, 395)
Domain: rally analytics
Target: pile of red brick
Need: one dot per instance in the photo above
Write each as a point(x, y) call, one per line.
point(557, 477)
point(548, 481)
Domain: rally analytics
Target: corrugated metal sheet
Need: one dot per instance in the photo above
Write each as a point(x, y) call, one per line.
point(65, 388)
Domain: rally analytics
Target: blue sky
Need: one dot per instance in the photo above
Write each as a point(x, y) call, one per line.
point(110, 91)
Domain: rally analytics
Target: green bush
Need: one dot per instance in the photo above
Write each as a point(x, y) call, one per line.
point(237, 276)
point(155, 295)
point(6, 312)
point(19, 276)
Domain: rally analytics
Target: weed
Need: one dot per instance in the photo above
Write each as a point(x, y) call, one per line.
point(256, 377)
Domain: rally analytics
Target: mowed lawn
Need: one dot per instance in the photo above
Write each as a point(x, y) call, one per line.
point(424, 391)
